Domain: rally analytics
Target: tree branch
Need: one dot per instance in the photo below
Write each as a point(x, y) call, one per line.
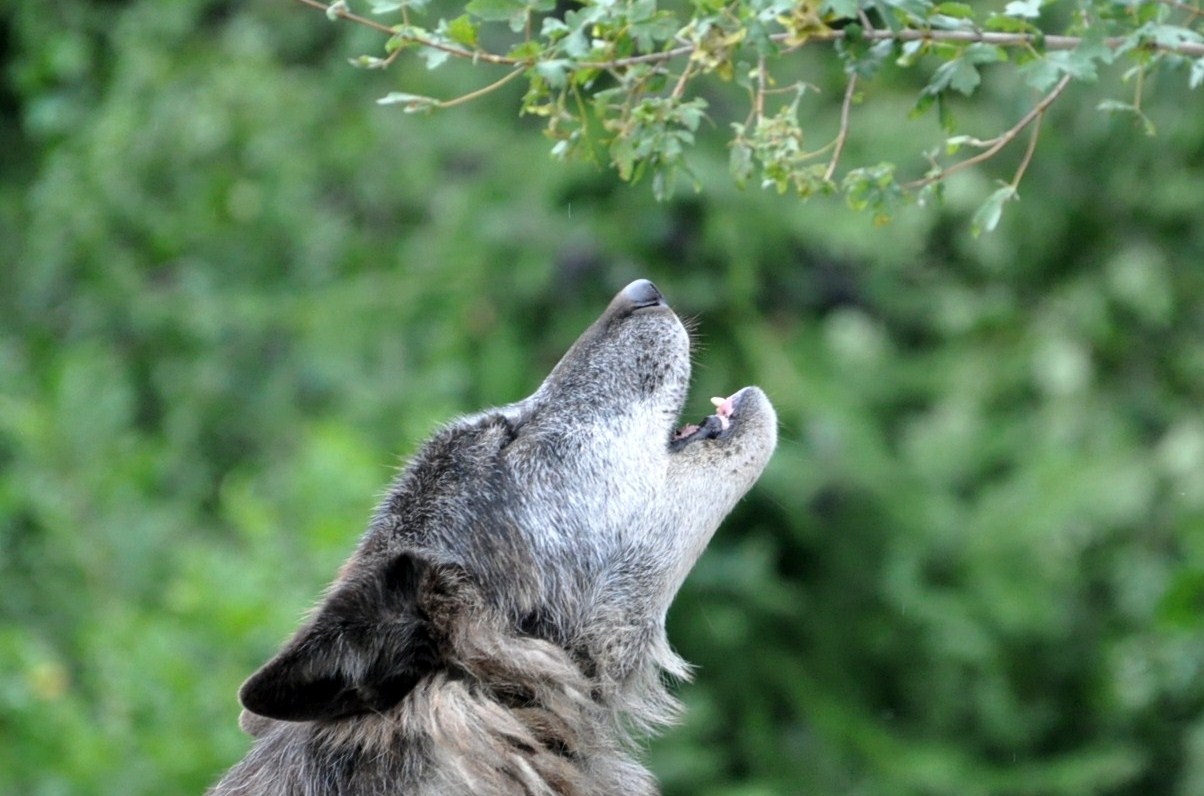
point(998, 143)
point(1048, 43)
point(844, 126)
point(475, 55)
point(775, 143)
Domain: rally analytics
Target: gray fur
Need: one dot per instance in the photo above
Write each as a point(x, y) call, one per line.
point(500, 628)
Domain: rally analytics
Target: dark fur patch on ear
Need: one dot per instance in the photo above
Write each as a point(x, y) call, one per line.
point(278, 693)
point(364, 650)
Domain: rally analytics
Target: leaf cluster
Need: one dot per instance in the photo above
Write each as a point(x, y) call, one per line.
point(629, 81)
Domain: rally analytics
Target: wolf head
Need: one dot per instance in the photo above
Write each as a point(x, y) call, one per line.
point(568, 519)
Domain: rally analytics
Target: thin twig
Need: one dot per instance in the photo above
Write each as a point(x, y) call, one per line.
point(844, 126)
point(1000, 142)
point(680, 88)
point(345, 14)
point(1028, 153)
point(470, 96)
point(459, 52)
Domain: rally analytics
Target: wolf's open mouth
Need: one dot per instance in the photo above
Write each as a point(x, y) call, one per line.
point(708, 428)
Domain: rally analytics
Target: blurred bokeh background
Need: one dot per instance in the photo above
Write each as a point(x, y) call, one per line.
point(235, 294)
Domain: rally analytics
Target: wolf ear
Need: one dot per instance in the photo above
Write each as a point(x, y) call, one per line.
point(364, 650)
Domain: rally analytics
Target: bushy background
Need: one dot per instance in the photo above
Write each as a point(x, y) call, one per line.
point(235, 293)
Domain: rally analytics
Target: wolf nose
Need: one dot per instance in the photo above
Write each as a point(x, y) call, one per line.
point(642, 293)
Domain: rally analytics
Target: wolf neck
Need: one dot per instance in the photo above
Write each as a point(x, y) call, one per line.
point(540, 727)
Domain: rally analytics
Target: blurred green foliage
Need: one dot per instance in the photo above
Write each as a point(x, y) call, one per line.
point(236, 291)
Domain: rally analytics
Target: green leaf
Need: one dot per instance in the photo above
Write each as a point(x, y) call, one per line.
point(908, 9)
point(1169, 36)
point(1079, 63)
point(839, 9)
point(944, 114)
point(1040, 73)
point(959, 74)
point(1028, 9)
point(462, 30)
point(691, 113)
point(981, 53)
point(405, 36)
point(923, 103)
point(495, 10)
point(525, 51)
point(434, 57)
point(553, 28)
point(987, 216)
point(412, 102)
point(554, 71)
point(389, 6)
point(872, 188)
point(336, 9)
point(1000, 23)
point(648, 26)
point(910, 53)
point(1117, 106)
point(368, 62)
point(955, 10)
point(953, 144)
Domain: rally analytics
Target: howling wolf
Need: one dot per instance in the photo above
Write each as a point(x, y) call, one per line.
point(500, 629)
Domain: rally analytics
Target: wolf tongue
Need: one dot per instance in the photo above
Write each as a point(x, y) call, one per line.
point(685, 431)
